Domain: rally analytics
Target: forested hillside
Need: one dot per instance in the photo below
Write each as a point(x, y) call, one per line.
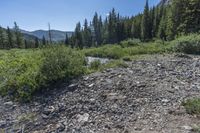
point(168, 20)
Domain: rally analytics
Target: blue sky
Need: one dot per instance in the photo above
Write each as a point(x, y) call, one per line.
point(62, 14)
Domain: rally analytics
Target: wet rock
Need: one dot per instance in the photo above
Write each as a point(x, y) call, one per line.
point(8, 104)
point(72, 87)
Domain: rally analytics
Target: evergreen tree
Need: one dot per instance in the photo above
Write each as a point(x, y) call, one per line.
point(44, 42)
point(2, 40)
point(36, 42)
point(112, 24)
point(10, 38)
point(145, 27)
point(18, 35)
point(78, 36)
point(66, 40)
point(25, 44)
point(136, 26)
point(170, 25)
point(87, 37)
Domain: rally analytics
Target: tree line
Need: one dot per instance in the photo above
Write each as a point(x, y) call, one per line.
point(165, 21)
point(13, 38)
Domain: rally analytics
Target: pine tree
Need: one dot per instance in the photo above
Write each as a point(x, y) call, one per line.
point(152, 22)
point(87, 36)
point(170, 25)
point(44, 41)
point(18, 35)
point(10, 38)
point(112, 24)
point(36, 42)
point(78, 36)
point(25, 44)
point(66, 39)
point(2, 40)
point(145, 30)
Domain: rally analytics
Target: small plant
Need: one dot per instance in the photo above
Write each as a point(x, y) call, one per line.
point(127, 58)
point(95, 65)
point(192, 106)
point(196, 129)
point(130, 43)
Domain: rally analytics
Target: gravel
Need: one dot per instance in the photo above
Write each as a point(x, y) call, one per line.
point(145, 97)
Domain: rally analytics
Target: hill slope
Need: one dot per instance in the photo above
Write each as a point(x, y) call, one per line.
point(56, 34)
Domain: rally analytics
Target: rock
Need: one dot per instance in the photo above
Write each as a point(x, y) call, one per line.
point(72, 87)
point(165, 100)
point(2, 124)
point(49, 110)
point(188, 128)
point(44, 116)
point(8, 104)
point(83, 118)
point(60, 127)
point(91, 85)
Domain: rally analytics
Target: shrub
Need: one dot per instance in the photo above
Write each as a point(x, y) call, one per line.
point(23, 72)
point(107, 51)
point(95, 65)
point(192, 106)
point(127, 58)
point(187, 44)
point(130, 43)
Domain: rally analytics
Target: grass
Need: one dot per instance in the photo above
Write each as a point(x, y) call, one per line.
point(192, 106)
point(120, 51)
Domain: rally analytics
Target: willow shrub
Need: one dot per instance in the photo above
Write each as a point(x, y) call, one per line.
point(23, 72)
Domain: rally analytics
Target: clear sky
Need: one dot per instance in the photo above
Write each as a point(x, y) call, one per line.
point(62, 14)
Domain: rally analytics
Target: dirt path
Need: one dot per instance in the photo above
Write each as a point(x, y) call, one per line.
point(146, 97)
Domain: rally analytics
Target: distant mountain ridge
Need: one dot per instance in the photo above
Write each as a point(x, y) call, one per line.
point(56, 34)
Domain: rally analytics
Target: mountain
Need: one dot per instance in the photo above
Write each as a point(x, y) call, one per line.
point(56, 34)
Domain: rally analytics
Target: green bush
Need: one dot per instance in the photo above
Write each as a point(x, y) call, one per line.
point(95, 65)
point(187, 44)
point(130, 43)
point(192, 106)
point(23, 72)
point(107, 51)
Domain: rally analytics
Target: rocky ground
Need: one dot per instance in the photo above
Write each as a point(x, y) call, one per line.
point(146, 97)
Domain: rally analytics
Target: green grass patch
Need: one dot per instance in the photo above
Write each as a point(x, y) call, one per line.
point(192, 106)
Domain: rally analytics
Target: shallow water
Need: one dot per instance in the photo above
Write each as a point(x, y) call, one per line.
point(92, 59)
